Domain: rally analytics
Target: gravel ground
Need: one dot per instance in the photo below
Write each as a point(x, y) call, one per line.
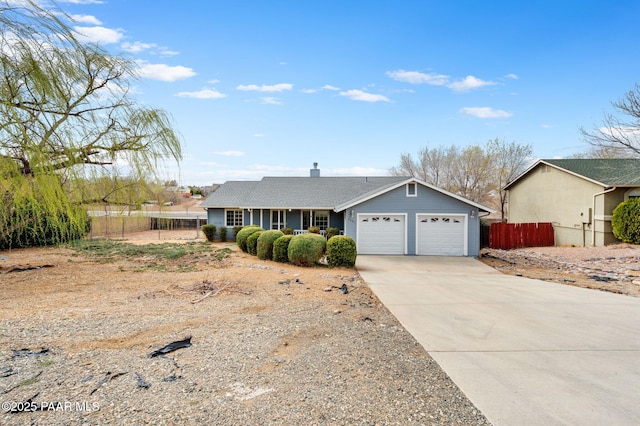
point(76, 338)
point(614, 268)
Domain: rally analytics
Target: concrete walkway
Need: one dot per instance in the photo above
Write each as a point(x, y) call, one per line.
point(525, 352)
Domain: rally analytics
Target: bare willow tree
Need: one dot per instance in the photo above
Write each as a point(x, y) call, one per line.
point(474, 172)
point(67, 121)
point(619, 134)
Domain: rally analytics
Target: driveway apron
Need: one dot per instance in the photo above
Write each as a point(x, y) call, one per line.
point(526, 352)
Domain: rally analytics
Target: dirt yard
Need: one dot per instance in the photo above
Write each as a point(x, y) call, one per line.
point(614, 268)
point(269, 343)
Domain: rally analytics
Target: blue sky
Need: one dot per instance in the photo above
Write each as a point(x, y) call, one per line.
point(266, 88)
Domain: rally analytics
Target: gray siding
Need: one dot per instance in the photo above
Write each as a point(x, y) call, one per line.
point(427, 201)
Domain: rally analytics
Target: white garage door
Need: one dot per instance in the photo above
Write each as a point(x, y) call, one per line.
point(381, 234)
point(441, 235)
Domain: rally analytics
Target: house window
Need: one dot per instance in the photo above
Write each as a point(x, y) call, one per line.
point(234, 218)
point(278, 219)
point(321, 220)
point(412, 190)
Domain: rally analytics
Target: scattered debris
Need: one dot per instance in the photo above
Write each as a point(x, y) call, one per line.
point(7, 372)
point(26, 353)
point(142, 383)
point(297, 281)
point(344, 289)
point(179, 344)
point(21, 268)
point(26, 382)
point(107, 378)
point(284, 282)
point(601, 278)
point(209, 289)
point(171, 378)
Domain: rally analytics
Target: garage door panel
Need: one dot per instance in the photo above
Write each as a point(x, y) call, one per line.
point(381, 234)
point(441, 235)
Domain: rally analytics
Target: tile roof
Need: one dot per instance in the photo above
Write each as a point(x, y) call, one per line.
point(609, 172)
point(297, 192)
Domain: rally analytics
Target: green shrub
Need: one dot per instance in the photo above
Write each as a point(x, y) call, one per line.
point(235, 231)
point(287, 231)
point(281, 248)
point(209, 232)
point(332, 232)
point(314, 229)
point(223, 233)
point(243, 234)
point(625, 221)
point(252, 243)
point(265, 244)
point(306, 249)
point(341, 251)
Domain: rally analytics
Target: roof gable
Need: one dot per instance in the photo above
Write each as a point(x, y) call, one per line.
point(611, 172)
point(603, 172)
point(391, 187)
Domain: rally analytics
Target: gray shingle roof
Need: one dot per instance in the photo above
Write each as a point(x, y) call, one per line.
point(610, 172)
point(297, 192)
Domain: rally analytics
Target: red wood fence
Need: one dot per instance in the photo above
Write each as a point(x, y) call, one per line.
point(507, 236)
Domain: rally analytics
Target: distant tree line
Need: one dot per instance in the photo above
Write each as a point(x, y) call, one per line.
point(476, 172)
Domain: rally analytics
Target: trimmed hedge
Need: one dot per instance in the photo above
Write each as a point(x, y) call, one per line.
point(223, 233)
point(314, 230)
point(281, 248)
point(625, 221)
point(287, 231)
point(209, 232)
point(306, 249)
point(243, 234)
point(252, 243)
point(265, 244)
point(332, 232)
point(341, 251)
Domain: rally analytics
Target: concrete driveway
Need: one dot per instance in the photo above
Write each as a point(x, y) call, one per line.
point(525, 352)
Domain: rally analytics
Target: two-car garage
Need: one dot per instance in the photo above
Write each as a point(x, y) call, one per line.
point(433, 234)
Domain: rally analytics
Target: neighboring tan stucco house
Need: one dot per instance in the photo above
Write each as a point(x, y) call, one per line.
point(576, 195)
point(383, 214)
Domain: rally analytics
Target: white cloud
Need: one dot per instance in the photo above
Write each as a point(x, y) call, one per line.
point(137, 46)
point(258, 135)
point(98, 34)
point(309, 90)
point(265, 87)
point(272, 101)
point(202, 94)
point(329, 87)
point(512, 76)
point(485, 112)
point(164, 72)
point(359, 95)
point(416, 77)
point(86, 19)
point(167, 52)
point(469, 83)
point(229, 153)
